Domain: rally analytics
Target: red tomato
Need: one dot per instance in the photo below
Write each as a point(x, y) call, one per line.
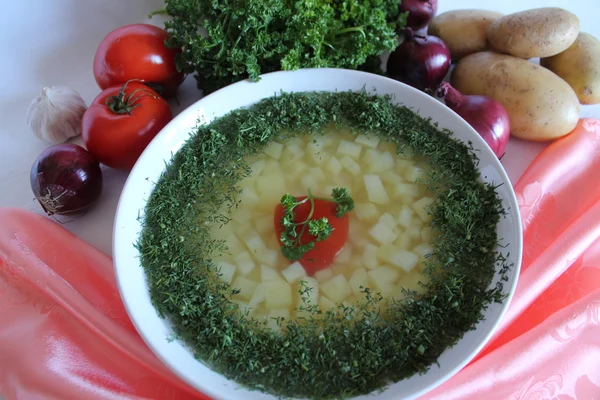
point(137, 51)
point(116, 137)
point(325, 251)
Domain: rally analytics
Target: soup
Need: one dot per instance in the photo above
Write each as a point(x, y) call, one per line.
point(387, 233)
point(396, 266)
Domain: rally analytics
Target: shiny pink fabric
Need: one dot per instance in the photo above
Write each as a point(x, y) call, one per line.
point(64, 333)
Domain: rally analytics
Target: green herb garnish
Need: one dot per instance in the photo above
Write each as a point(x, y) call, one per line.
point(292, 247)
point(227, 41)
point(341, 353)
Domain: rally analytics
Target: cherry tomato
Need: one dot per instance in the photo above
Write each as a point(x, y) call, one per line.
point(121, 121)
point(325, 251)
point(137, 51)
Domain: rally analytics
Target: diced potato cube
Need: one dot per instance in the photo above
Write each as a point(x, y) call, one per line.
point(405, 216)
point(414, 174)
point(292, 152)
point(420, 206)
point(398, 257)
point(315, 145)
point(325, 304)
point(391, 178)
point(369, 256)
point(323, 274)
point(427, 234)
point(293, 272)
point(366, 211)
point(277, 317)
point(249, 197)
point(274, 150)
point(318, 158)
point(368, 141)
point(257, 168)
point(344, 255)
point(242, 215)
point(246, 287)
point(389, 220)
point(278, 294)
point(382, 233)
point(414, 232)
point(350, 165)
point(337, 288)
point(254, 243)
point(259, 295)
point(268, 256)
point(350, 149)
point(359, 281)
point(422, 249)
point(318, 174)
point(269, 274)
point(271, 187)
point(295, 169)
point(382, 161)
point(383, 277)
point(334, 166)
point(244, 263)
point(404, 240)
point(403, 165)
point(407, 190)
point(309, 182)
point(226, 270)
point(375, 190)
point(234, 245)
point(265, 225)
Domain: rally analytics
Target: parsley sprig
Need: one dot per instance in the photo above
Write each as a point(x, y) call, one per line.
point(292, 247)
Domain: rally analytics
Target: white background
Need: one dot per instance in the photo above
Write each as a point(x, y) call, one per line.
point(52, 42)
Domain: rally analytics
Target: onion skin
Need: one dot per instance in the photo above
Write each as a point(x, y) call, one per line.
point(486, 115)
point(421, 62)
point(420, 12)
point(66, 179)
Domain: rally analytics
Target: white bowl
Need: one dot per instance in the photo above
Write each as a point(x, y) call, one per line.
point(131, 276)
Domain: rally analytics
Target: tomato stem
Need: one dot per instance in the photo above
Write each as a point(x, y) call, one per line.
point(124, 103)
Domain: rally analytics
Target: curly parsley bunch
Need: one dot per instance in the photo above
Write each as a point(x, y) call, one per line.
point(225, 41)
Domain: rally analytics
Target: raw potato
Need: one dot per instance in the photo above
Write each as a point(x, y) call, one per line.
point(464, 31)
point(579, 65)
point(540, 32)
point(541, 106)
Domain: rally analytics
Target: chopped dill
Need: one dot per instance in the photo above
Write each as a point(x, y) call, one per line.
point(344, 352)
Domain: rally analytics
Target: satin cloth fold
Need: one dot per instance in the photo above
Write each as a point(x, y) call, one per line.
point(64, 333)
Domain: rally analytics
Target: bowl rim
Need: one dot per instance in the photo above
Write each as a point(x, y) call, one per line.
point(121, 265)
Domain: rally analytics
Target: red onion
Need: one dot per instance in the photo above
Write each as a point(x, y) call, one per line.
point(66, 179)
point(420, 12)
point(486, 115)
point(421, 62)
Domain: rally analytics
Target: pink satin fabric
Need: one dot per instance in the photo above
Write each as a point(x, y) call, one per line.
point(64, 333)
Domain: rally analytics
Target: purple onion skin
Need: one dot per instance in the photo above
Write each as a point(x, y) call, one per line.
point(420, 12)
point(486, 115)
point(66, 179)
point(421, 62)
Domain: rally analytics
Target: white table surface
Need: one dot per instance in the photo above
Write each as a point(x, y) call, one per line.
point(52, 42)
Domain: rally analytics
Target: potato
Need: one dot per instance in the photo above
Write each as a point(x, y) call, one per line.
point(540, 32)
point(464, 31)
point(541, 106)
point(337, 288)
point(579, 65)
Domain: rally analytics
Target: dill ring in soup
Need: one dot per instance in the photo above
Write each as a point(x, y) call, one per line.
point(348, 350)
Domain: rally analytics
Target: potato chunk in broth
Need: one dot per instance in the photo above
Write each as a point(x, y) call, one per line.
point(388, 235)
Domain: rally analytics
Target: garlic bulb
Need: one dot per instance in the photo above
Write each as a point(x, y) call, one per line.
point(56, 114)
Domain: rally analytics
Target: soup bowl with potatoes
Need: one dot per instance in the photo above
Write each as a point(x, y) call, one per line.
point(320, 233)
